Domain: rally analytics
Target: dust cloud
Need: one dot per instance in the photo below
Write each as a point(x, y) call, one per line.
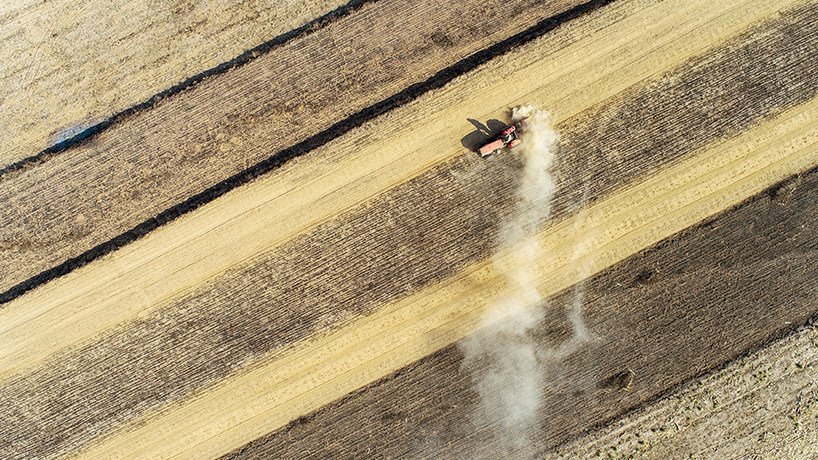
point(505, 361)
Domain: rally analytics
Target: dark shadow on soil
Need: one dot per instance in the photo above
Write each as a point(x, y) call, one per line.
point(482, 133)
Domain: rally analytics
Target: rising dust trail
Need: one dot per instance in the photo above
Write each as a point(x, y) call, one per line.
point(509, 378)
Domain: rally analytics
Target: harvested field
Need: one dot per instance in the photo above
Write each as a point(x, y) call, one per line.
point(158, 163)
point(691, 313)
point(311, 308)
point(71, 65)
point(764, 405)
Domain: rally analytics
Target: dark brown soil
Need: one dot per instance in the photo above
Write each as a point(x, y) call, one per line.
point(340, 271)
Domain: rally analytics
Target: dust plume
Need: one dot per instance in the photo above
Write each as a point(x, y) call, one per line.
point(506, 362)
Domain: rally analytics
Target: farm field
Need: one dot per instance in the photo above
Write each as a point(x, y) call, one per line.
point(245, 270)
point(236, 126)
point(71, 64)
point(762, 405)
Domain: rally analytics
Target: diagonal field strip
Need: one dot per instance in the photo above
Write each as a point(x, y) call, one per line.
point(58, 76)
point(326, 368)
point(251, 220)
point(690, 422)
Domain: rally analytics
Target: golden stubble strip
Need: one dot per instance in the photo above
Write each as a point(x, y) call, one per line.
point(325, 368)
point(77, 61)
point(651, 37)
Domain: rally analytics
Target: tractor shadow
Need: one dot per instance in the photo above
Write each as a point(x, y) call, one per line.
point(482, 133)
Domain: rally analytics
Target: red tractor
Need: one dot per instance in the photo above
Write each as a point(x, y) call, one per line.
point(508, 137)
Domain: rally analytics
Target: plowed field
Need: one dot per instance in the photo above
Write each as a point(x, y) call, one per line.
point(283, 260)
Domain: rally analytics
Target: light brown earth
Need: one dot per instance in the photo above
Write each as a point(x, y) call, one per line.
point(71, 64)
point(372, 252)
